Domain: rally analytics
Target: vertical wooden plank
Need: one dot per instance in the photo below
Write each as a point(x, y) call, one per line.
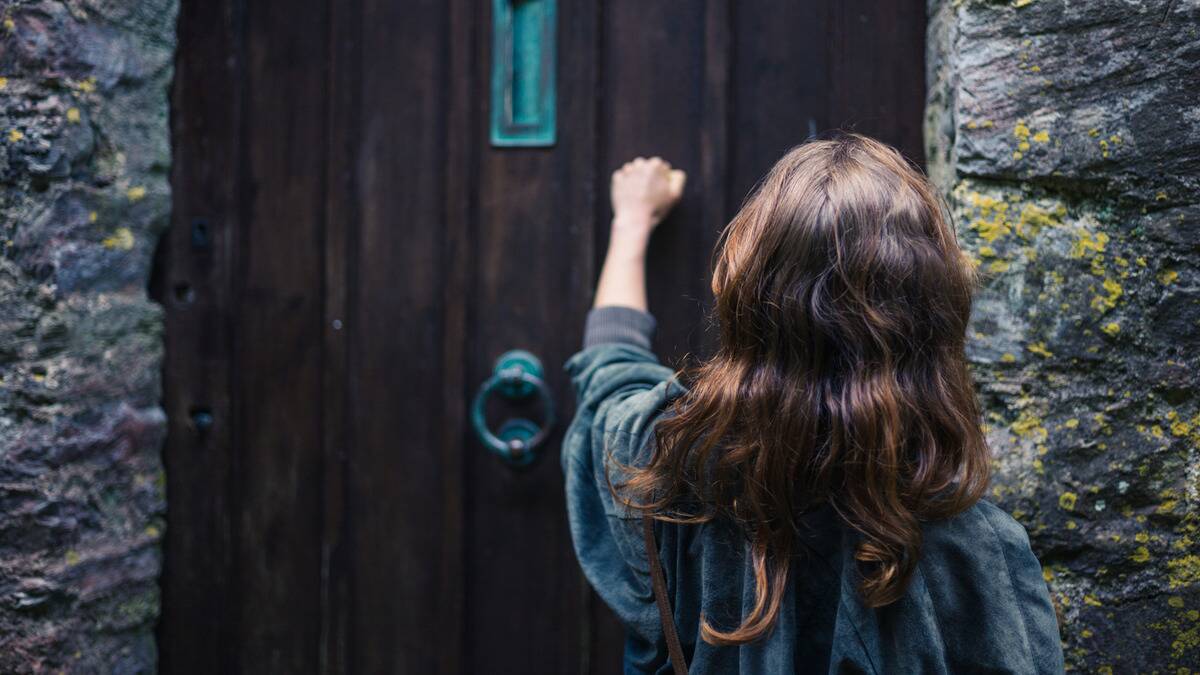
point(805, 68)
point(343, 84)
point(277, 350)
point(193, 274)
point(397, 465)
point(458, 260)
point(662, 95)
point(714, 158)
point(780, 85)
point(533, 238)
point(877, 70)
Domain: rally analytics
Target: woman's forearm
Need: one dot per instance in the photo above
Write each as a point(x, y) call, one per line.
point(623, 277)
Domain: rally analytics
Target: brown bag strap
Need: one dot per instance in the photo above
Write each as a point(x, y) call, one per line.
point(660, 597)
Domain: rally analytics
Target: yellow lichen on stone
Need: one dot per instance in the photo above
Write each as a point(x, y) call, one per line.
point(1140, 555)
point(1042, 136)
point(15, 135)
point(1087, 242)
point(1103, 303)
point(1029, 425)
point(1021, 133)
point(1183, 572)
point(1180, 428)
point(992, 223)
point(998, 266)
point(1008, 357)
point(136, 193)
point(1067, 500)
point(73, 115)
point(1167, 276)
point(1033, 218)
point(1185, 641)
point(1039, 348)
point(122, 239)
point(1111, 328)
point(3, 82)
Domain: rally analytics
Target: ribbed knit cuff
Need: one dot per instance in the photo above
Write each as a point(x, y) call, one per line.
point(614, 323)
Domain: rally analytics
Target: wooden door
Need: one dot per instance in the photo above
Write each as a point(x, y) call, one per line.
point(349, 254)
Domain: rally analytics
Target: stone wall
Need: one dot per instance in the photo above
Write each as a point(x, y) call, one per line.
point(1066, 135)
point(84, 157)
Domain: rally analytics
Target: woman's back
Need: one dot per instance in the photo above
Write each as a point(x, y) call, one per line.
point(976, 603)
point(815, 487)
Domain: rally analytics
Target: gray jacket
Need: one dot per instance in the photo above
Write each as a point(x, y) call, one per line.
point(976, 604)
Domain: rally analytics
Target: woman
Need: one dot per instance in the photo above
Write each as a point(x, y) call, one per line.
point(814, 487)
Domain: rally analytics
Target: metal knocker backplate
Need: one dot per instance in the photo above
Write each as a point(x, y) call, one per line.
point(517, 376)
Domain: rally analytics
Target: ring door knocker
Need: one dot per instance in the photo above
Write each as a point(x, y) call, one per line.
point(517, 376)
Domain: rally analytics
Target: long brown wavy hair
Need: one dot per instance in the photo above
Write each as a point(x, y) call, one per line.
point(842, 298)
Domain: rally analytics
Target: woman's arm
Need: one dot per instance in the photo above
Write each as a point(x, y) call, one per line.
point(620, 388)
point(643, 192)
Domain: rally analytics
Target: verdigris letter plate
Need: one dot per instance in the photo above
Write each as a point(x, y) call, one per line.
point(523, 72)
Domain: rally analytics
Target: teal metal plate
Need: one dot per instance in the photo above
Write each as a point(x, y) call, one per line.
point(524, 106)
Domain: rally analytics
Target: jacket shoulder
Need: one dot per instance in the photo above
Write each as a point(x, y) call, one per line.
point(985, 586)
point(981, 522)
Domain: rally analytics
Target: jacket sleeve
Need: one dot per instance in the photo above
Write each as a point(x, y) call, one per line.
point(621, 390)
point(1042, 637)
